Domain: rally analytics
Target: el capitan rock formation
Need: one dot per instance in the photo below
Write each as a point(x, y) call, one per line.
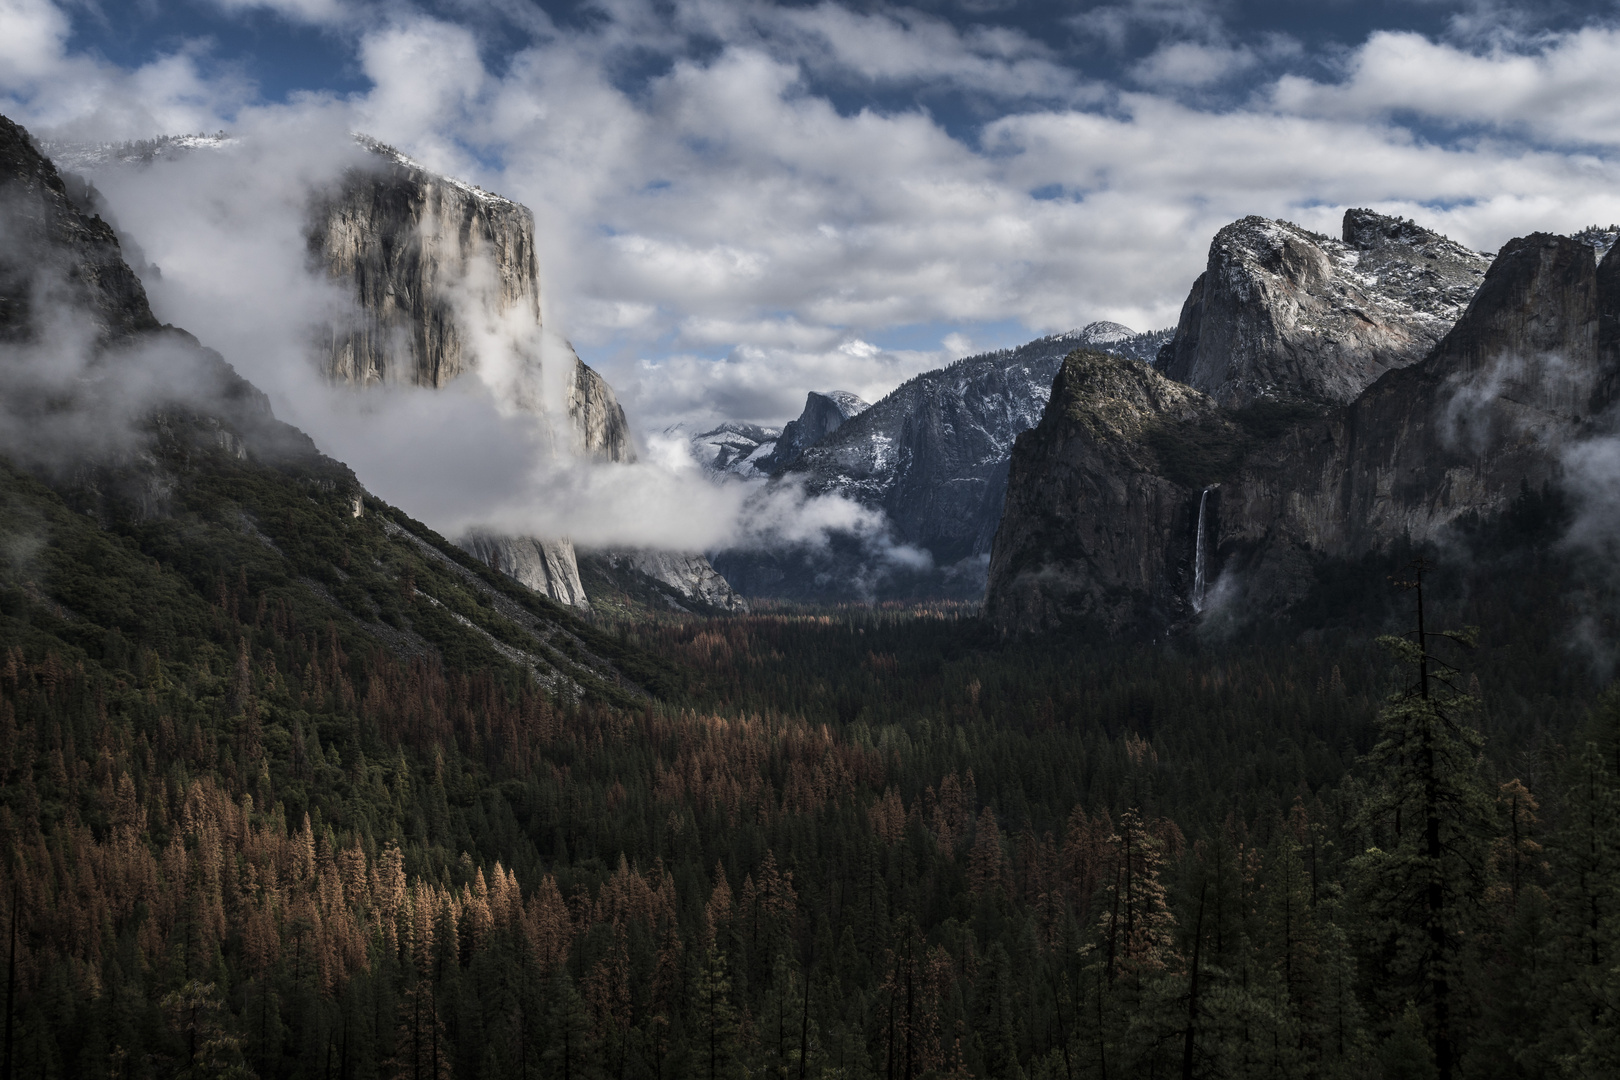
point(441, 271)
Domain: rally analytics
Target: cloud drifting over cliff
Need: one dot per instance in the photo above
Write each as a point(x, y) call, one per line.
point(739, 202)
point(774, 179)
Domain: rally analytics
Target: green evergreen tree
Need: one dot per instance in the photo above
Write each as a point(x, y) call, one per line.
point(714, 1053)
point(1420, 882)
point(1586, 896)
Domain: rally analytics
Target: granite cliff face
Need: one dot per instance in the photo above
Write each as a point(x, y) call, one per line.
point(682, 581)
point(1285, 314)
point(596, 419)
point(418, 250)
point(933, 457)
point(441, 271)
point(1106, 495)
point(53, 252)
point(549, 567)
point(823, 414)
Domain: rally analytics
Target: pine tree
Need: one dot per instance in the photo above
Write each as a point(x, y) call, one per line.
point(1586, 897)
point(1420, 883)
point(714, 1049)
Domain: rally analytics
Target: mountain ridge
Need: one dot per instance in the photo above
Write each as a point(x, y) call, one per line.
point(1102, 518)
point(1281, 313)
point(932, 456)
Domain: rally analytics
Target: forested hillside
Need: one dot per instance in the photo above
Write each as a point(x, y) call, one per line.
point(247, 832)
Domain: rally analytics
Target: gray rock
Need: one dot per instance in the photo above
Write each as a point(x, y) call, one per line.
point(1284, 314)
point(688, 575)
point(422, 254)
point(57, 252)
point(824, 413)
point(1599, 239)
point(406, 241)
point(1104, 496)
point(933, 457)
point(596, 417)
point(549, 567)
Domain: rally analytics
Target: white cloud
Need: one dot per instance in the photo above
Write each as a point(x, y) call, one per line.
point(1113, 23)
point(1187, 63)
point(719, 238)
point(427, 78)
point(909, 46)
point(1565, 90)
point(32, 33)
point(76, 96)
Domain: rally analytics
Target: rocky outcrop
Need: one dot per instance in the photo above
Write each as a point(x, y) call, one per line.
point(823, 414)
point(1093, 528)
point(1105, 496)
point(596, 418)
point(932, 456)
point(421, 253)
point(1598, 238)
point(91, 382)
point(686, 581)
point(1285, 314)
point(440, 270)
point(55, 254)
point(549, 567)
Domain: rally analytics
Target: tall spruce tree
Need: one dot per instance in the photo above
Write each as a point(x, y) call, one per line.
point(1427, 816)
point(1586, 896)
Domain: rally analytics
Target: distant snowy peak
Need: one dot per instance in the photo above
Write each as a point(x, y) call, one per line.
point(846, 403)
point(1101, 333)
point(824, 413)
point(730, 449)
point(1108, 337)
point(932, 455)
point(1285, 313)
point(77, 155)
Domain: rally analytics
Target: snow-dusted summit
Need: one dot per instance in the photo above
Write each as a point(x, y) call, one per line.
point(933, 456)
point(824, 413)
point(730, 448)
point(1282, 313)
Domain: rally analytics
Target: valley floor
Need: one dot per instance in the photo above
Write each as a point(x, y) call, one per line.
point(850, 842)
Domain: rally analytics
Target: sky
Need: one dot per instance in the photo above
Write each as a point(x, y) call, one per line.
point(738, 202)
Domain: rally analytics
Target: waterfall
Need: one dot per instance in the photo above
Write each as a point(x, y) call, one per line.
point(1198, 557)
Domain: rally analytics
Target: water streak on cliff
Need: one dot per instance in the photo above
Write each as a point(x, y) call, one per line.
point(1198, 555)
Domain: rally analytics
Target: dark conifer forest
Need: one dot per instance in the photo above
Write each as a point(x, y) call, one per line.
point(248, 832)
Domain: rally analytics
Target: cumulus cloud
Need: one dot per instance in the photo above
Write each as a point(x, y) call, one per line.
point(1115, 23)
point(1188, 63)
point(1562, 90)
point(755, 218)
point(909, 46)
